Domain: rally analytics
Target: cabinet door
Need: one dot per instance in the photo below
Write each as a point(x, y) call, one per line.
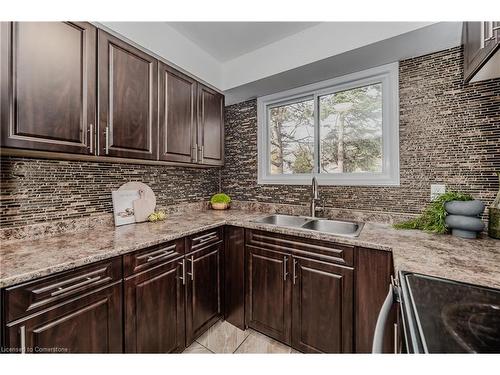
point(128, 105)
point(373, 276)
point(154, 310)
point(177, 115)
point(89, 324)
point(480, 41)
point(234, 276)
point(47, 80)
point(203, 291)
point(269, 293)
point(322, 307)
point(210, 126)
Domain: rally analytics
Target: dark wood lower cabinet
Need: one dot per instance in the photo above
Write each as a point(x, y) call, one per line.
point(300, 293)
point(321, 306)
point(373, 276)
point(269, 293)
point(91, 323)
point(234, 276)
point(203, 290)
point(154, 309)
point(318, 297)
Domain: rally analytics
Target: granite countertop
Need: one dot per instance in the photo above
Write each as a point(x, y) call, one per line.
point(474, 261)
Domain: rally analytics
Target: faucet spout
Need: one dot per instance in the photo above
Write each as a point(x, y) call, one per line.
point(315, 197)
point(315, 192)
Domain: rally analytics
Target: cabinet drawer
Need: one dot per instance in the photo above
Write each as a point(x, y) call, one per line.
point(25, 299)
point(144, 259)
point(203, 239)
point(321, 250)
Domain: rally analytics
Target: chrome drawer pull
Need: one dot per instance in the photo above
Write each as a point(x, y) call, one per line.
point(161, 255)
point(208, 238)
point(152, 255)
point(285, 273)
point(88, 280)
point(205, 237)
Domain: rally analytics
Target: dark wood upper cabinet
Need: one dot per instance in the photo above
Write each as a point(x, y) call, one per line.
point(210, 126)
point(154, 309)
point(53, 73)
point(128, 100)
point(481, 40)
point(269, 293)
point(322, 306)
point(47, 80)
point(177, 115)
point(203, 289)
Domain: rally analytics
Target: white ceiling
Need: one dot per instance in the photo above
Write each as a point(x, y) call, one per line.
point(266, 57)
point(228, 40)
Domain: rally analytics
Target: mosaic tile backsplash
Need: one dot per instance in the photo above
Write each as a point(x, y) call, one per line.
point(449, 134)
point(37, 190)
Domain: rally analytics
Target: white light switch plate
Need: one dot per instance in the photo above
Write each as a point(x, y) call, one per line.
point(437, 190)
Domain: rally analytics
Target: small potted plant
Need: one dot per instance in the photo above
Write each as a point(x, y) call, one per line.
point(220, 201)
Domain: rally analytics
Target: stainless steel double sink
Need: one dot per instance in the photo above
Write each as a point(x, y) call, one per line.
point(336, 227)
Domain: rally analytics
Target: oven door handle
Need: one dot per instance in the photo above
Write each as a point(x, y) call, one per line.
point(383, 316)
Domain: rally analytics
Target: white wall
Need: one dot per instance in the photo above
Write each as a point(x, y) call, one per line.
point(174, 47)
point(315, 43)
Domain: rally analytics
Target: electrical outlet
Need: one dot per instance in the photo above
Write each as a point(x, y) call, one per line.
point(436, 191)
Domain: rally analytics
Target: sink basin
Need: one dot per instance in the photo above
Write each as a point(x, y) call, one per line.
point(283, 220)
point(337, 227)
point(343, 228)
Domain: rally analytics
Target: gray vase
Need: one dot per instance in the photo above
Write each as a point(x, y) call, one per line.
point(464, 218)
point(465, 208)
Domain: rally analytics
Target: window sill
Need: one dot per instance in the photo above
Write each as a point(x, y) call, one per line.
point(345, 180)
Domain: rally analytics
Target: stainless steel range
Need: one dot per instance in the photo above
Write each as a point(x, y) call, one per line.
point(443, 316)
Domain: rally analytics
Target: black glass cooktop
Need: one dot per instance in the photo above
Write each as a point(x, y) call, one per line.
point(453, 317)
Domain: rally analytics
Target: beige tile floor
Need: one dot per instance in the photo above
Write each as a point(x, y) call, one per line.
point(223, 337)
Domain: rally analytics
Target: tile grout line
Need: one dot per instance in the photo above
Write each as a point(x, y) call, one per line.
point(249, 334)
point(199, 343)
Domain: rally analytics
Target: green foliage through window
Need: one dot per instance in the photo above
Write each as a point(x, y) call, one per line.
point(350, 133)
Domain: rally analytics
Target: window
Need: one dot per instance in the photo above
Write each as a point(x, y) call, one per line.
point(343, 131)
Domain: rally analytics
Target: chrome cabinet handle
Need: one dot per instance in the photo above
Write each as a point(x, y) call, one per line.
point(191, 274)
point(91, 138)
point(183, 277)
point(22, 334)
point(294, 271)
point(88, 280)
point(202, 158)
point(107, 140)
point(195, 149)
point(395, 338)
point(285, 273)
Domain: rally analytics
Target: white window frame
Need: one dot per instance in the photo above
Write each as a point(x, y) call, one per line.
point(388, 76)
